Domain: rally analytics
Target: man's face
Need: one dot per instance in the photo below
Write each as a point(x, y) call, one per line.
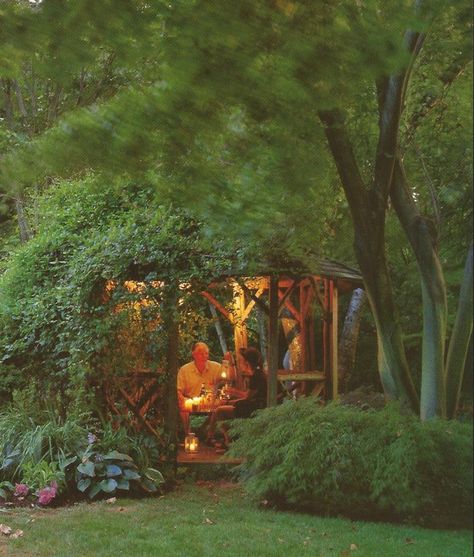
point(201, 355)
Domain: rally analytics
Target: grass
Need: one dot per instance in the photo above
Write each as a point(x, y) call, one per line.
point(209, 519)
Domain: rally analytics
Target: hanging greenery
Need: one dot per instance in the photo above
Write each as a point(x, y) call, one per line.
point(85, 292)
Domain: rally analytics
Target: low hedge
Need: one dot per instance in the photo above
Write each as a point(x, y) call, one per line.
point(364, 464)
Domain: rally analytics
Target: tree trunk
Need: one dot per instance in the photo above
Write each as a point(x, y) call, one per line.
point(460, 339)
point(368, 209)
point(422, 241)
point(393, 366)
point(23, 226)
point(349, 335)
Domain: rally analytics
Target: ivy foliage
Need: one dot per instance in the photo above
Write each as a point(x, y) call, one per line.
point(64, 298)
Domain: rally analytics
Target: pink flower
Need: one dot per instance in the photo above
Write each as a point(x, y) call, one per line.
point(47, 494)
point(21, 490)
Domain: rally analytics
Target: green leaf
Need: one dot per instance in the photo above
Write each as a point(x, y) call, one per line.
point(148, 485)
point(123, 484)
point(64, 463)
point(129, 465)
point(131, 475)
point(115, 455)
point(94, 490)
point(154, 475)
point(113, 470)
point(10, 459)
point(83, 484)
point(100, 469)
point(87, 468)
point(108, 485)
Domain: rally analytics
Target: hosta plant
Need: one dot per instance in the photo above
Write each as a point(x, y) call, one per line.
point(99, 473)
point(6, 488)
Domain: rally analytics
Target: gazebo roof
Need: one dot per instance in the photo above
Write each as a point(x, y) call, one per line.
point(282, 265)
point(334, 269)
point(348, 277)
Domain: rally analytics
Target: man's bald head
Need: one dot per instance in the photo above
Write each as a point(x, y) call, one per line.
point(200, 355)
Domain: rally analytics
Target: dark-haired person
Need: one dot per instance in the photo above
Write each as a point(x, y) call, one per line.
point(245, 401)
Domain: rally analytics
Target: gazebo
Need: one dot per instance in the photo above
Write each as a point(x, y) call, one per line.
point(287, 297)
point(298, 303)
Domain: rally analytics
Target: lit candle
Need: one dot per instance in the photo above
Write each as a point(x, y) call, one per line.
point(224, 375)
point(191, 443)
point(188, 404)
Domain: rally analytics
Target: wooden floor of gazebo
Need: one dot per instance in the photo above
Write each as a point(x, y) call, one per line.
point(205, 455)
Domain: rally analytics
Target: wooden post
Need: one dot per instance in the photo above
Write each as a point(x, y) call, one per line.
point(312, 339)
point(262, 333)
point(170, 318)
point(272, 342)
point(326, 313)
point(303, 329)
point(240, 328)
point(334, 301)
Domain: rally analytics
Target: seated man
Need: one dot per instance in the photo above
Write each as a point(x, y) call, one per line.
point(192, 376)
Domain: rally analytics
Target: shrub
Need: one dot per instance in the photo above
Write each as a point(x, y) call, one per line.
point(46, 454)
point(33, 436)
point(56, 324)
point(38, 475)
point(374, 464)
point(99, 473)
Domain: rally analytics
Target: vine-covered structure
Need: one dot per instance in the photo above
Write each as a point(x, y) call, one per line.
point(297, 314)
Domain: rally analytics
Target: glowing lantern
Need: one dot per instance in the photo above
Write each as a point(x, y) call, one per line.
point(191, 443)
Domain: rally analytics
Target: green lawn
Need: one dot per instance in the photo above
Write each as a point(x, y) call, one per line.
point(213, 519)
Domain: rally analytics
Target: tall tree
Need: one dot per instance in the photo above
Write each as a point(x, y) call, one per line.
point(235, 99)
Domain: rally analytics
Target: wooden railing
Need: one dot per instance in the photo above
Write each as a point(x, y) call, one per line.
point(136, 398)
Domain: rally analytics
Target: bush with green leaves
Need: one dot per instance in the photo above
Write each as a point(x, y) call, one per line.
point(37, 475)
point(375, 464)
point(107, 473)
point(31, 434)
point(40, 449)
point(58, 326)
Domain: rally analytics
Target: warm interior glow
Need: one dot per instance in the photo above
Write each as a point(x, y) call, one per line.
point(191, 443)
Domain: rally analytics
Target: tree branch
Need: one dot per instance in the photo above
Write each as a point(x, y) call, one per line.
point(19, 97)
point(422, 239)
point(391, 94)
point(343, 154)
